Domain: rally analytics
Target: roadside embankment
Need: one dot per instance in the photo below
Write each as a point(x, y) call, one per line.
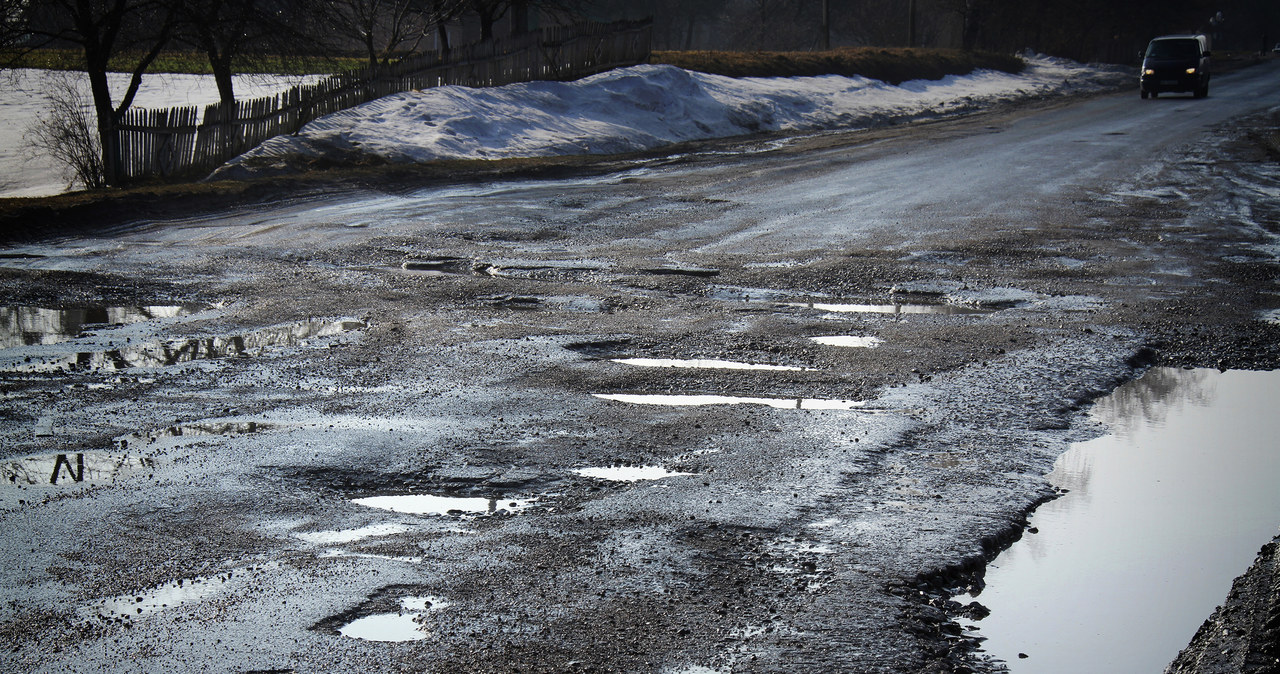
point(1243, 634)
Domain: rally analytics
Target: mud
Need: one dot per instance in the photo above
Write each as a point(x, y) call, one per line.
point(802, 540)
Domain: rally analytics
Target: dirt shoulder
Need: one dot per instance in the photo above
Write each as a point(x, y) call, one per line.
point(1243, 634)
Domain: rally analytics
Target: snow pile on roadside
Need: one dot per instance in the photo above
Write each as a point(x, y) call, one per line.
point(641, 108)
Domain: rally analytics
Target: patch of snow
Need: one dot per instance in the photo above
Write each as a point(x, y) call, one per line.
point(644, 107)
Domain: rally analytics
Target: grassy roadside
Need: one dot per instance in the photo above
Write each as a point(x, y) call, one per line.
point(892, 65)
point(191, 63)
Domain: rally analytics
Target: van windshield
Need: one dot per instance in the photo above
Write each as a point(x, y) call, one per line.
point(1174, 49)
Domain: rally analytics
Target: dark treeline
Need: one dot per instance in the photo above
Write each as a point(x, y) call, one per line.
point(1086, 30)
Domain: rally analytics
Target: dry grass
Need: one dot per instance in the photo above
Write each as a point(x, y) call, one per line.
point(885, 64)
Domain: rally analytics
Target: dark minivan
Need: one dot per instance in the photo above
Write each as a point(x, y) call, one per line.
point(1176, 63)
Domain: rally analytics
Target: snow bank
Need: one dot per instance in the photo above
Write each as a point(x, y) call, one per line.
point(640, 108)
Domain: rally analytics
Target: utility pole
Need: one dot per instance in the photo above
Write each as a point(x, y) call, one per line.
point(911, 23)
point(826, 25)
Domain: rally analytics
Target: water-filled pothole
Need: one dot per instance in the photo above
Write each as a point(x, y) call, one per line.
point(184, 591)
point(72, 468)
point(407, 624)
point(897, 309)
point(849, 341)
point(629, 473)
point(430, 504)
point(696, 399)
point(1159, 517)
point(705, 364)
point(30, 326)
point(163, 353)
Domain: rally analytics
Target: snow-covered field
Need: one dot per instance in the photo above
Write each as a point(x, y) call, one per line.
point(643, 107)
point(23, 100)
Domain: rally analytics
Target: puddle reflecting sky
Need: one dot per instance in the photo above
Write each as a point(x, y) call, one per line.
point(429, 504)
point(65, 469)
point(409, 624)
point(948, 309)
point(628, 473)
point(849, 341)
point(704, 364)
point(163, 353)
point(1161, 516)
point(778, 403)
point(28, 326)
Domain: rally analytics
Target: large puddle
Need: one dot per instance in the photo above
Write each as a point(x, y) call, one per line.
point(163, 353)
point(1159, 518)
point(28, 326)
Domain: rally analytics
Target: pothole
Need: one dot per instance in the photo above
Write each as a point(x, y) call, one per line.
point(163, 353)
point(895, 309)
point(352, 535)
point(74, 468)
point(849, 341)
point(629, 473)
point(705, 364)
point(410, 623)
point(31, 326)
point(170, 435)
point(173, 594)
point(697, 399)
point(697, 272)
point(458, 506)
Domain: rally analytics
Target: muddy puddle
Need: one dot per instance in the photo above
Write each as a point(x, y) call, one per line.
point(163, 353)
point(694, 399)
point(705, 364)
point(458, 506)
point(629, 473)
point(409, 623)
point(30, 326)
point(1157, 519)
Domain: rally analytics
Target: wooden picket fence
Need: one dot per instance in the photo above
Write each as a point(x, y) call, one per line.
point(180, 142)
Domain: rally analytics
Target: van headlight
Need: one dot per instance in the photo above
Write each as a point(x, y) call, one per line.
point(1149, 71)
point(1191, 71)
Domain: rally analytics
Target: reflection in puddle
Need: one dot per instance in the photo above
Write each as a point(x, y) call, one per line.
point(704, 364)
point(428, 504)
point(81, 467)
point(628, 473)
point(172, 435)
point(29, 326)
point(409, 624)
point(947, 309)
point(1159, 519)
point(352, 535)
point(779, 403)
point(172, 352)
point(169, 595)
point(851, 341)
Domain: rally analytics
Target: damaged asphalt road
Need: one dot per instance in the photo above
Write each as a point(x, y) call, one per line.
point(243, 395)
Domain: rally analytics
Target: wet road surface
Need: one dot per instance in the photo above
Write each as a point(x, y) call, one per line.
point(422, 410)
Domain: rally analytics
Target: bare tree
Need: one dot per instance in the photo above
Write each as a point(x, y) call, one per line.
point(66, 132)
point(385, 29)
point(227, 31)
point(102, 30)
